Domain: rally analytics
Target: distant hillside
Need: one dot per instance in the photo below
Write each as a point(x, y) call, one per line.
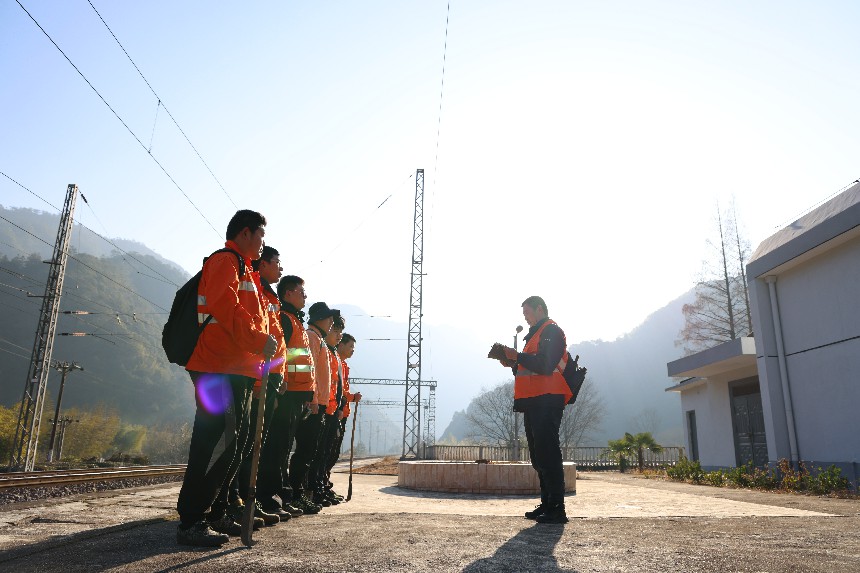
point(126, 298)
point(44, 224)
point(630, 374)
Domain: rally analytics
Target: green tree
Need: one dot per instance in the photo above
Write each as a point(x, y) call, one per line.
point(8, 420)
point(92, 432)
point(633, 446)
point(167, 444)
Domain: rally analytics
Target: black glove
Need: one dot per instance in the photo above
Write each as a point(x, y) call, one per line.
point(275, 381)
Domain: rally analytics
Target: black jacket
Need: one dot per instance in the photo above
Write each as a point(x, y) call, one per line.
point(551, 348)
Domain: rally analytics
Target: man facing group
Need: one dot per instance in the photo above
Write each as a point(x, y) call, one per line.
point(245, 323)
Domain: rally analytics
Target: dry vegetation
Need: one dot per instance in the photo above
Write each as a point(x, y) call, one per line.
point(386, 466)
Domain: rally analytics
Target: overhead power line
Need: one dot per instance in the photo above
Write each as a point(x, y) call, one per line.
point(105, 239)
point(161, 104)
point(122, 121)
point(86, 265)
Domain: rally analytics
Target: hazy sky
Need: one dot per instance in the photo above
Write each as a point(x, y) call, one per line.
point(582, 146)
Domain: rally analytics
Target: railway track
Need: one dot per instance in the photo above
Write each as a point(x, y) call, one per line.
point(64, 477)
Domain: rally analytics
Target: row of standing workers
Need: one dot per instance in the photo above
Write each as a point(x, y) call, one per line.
point(253, 333)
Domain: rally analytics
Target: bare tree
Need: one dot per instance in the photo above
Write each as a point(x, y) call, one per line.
point(491, 417)
point(721, 309)
point(647, 421)
point(581, 420)
point(492, 420)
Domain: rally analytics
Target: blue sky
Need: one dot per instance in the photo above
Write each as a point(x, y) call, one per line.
point(581, 150)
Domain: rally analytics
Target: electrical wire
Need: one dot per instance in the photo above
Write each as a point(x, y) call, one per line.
point(13, 344)
point(86, 265)
point(14, 353)
point(105, 239)
point(348, 235)
point(161, 104)
point(30, 192)
point(80, 73)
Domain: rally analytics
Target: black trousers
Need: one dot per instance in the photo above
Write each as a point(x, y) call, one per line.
point(243, 478)
point(334, 454)
point(318, 476)
point(542, 425)
point(307, 441)
point(273, 475)
point(219, 436)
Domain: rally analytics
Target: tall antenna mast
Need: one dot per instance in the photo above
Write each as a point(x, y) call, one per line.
point(412, 409)
point(23, 453)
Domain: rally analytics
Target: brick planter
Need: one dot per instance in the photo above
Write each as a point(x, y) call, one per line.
point(499, 478)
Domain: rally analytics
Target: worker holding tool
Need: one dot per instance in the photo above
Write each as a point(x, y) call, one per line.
point(225, 363)
point(541, 393)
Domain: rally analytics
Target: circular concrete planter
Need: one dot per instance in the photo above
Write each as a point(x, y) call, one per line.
point(500, 478)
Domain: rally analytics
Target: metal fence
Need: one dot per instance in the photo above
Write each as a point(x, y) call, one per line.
point(586, 457)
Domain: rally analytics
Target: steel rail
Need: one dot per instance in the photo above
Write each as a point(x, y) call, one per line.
point(60, 477)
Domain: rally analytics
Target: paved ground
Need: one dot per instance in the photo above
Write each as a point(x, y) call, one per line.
point(618, 523)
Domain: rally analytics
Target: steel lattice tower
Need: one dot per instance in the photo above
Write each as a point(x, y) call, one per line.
point(30, 415)
point(412, 409)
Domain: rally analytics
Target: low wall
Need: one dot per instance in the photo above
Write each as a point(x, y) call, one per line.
point(499, 478)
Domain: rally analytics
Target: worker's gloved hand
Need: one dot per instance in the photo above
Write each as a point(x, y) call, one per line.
point(270, 347)
point(277, 383)
point(510, 354)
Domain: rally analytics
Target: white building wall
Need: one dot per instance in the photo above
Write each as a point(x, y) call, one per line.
point(711, 403)
point(819, 308)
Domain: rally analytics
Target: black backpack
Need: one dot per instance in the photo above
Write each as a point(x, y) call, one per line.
point(574, 375)
point(181, 331)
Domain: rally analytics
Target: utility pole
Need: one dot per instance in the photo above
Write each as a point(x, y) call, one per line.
point(23, 454)
point(64, 423)
point(412, 409)
point(64, 368)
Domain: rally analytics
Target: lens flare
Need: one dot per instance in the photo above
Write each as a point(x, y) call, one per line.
point(214, 393)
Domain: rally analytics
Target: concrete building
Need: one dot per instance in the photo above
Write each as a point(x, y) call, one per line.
point(794, 391)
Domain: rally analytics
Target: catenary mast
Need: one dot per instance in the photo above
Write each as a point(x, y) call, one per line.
point(23, 453)
point(412, 409)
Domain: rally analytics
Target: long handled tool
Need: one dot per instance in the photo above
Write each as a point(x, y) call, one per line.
point(248, 515)
point(351, 450)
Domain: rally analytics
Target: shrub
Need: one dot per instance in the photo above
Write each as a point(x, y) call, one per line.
point(715, 478)
point(685, 470)
point(829, 481)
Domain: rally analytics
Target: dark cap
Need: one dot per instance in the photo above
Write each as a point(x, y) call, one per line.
point(320, 311)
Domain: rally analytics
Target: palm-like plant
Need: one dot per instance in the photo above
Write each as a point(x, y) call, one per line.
point(634, 445)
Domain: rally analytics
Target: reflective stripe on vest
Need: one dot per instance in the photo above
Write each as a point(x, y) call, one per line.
point(527, 384)
point(248, 285)
point(300, 363)
point(202, 316)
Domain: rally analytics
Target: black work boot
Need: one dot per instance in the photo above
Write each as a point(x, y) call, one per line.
point(537, 511)
point(553, 513)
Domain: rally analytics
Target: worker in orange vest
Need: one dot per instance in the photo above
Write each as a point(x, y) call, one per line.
point(345, 350)
point(273, 479)
point(541, 393)
point(318, 479)
point(320, 319)
point(227, 360)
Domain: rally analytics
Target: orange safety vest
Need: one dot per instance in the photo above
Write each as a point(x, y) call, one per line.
point(273, 307)
point(300, 362)
point(322, 367)
point(348, 396)
point(233, 341)
point(334, 366)
point(528, 384)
